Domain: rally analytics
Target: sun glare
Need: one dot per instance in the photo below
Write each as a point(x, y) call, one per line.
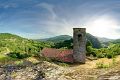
point(103, 27)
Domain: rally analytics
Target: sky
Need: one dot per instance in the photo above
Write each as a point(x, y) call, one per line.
point(37, 19)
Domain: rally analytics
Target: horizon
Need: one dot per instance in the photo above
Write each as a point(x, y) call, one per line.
point(39, 19)
point(53, 36)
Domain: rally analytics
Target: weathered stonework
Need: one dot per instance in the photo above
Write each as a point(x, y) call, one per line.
point(79, 44)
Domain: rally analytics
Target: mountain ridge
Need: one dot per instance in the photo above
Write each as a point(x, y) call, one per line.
point(103, 39)
point(56, 39)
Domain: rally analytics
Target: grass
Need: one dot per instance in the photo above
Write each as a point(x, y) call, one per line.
point(62, 64)
point(103, 64)
point(4, 60)
point(19, 62)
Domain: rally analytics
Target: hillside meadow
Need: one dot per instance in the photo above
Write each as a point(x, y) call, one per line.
point(17, 52)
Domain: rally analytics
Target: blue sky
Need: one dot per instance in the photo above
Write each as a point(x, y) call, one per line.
point(48, 18)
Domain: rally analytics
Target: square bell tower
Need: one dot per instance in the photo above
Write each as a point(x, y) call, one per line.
point(79, 44)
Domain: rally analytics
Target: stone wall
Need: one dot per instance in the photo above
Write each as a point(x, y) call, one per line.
point(79, 44)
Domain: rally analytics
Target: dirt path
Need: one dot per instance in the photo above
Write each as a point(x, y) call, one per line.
point(89, 71)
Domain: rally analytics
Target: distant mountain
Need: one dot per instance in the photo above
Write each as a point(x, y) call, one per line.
point(116, 41)
point(56, 39)
point(66, 41)
point(94, 40)
point(102, 39)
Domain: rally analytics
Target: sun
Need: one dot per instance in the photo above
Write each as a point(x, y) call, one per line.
point(102, 27)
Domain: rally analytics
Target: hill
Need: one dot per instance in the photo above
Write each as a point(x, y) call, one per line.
point(57, 39)
point(4, 36)
point(116, 41)
point(38, 68)
point(10, 43)
point(102, 39)
point(94, 40)
point(69, 42)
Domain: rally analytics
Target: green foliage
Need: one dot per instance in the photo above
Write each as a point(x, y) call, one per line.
point(91, 41)
point(5, 59)
point(20, 62)
point(91, 51)
point(18, 55)
point(102, 65)
point(114, 61)
point(5, 36)
point(100, 55)
point(19, 47)
point(3, 49)
point(110, 55)
point(116, 41)
point(91, 47)
point(68, 44)
point(57, 39)
point(110, 52)
point(95, 42)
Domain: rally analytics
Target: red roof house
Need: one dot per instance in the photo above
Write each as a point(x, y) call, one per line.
point(58, 54)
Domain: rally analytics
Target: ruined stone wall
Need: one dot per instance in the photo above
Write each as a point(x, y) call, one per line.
point(79, 44)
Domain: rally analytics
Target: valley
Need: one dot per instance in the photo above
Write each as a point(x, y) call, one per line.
point(20, 59)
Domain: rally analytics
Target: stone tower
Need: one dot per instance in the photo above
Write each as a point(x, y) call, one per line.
point(79, 44)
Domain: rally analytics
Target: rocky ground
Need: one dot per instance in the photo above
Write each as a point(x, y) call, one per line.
point(49, 71)
point(40, 71)
point(20, 73)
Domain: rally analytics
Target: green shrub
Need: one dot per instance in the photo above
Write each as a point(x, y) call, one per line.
point(110, 55)
point(102, 65)
point(19, 62)
point(5, 59)
point(18, 55)
point(91, 51)
point(113, 61)
point(100, 55)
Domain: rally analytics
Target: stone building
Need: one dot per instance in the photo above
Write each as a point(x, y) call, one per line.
point(79, 44)
point(78, 54)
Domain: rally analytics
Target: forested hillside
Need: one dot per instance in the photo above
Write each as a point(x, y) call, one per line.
point(94, 47)
point(69, 43)
point(117, 41)
point(57, 39)
point(102, 39)
point(17, 46)
point(18, 51)
point(93, 40)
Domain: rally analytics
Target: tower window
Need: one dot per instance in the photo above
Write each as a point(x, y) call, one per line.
point(79, 37)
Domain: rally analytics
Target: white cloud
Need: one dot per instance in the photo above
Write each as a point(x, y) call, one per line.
point(48, 7)
point(103, 26)
point(55, 24)
point(97, 25)
point(8, 5)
